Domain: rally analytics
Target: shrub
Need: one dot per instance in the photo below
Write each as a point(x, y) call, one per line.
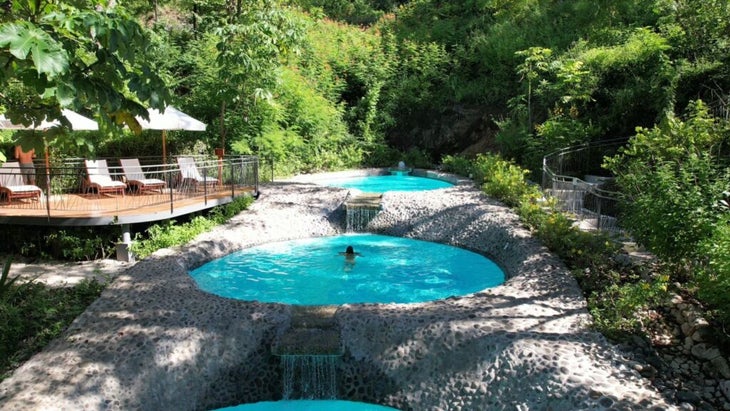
point(457, 165)
point(170, 234)
point(71, 243)
point(671, 177)
point(714, 277)
point(504, 180)
point(77, 245)
point(417, 158)
point(34, 314)
point(617, 309)
point(617, 297)
point(6, 283)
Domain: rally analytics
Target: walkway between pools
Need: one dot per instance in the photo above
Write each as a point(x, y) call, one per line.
point(153, 341)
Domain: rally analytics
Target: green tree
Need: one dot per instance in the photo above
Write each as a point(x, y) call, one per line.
point(252, 42)
point(79, 55)
point(536, 62)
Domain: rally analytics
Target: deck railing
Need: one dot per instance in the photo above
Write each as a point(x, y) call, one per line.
point(574, 176)
point(65, 188)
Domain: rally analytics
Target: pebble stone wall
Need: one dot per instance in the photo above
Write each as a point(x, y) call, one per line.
point(153, 341)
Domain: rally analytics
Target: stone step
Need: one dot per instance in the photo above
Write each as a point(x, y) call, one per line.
point(309, 341)
point(364, 200)
point(313, 331)
point(316, 316)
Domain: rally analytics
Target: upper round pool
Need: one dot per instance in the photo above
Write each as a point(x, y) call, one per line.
point(316, 271)
point(383, 183)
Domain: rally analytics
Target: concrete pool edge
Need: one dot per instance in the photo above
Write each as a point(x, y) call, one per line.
point(153, 341)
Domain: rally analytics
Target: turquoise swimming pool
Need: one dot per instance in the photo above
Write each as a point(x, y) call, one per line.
point(312, 271)
point(384, 183)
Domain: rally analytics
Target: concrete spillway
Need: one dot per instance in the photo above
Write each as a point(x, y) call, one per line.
point(361, 209)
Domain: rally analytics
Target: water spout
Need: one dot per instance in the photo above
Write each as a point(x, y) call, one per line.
point(401, 170)
point(309, 377)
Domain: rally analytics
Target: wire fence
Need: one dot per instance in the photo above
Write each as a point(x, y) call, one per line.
point(574, 176)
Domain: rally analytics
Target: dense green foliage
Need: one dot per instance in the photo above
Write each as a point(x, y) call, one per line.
point(331, 84)
point(72, 243)
point(82, 55)
point(672, 177)
point(170, 233)
point(31, 315)
point(714, 277)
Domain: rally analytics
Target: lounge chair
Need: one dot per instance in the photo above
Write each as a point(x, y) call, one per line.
point(136, 178)
point(12, 185)
point(190, 174)
point(99, 179)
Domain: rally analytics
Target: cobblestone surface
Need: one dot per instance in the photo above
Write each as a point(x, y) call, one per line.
point(153, 341)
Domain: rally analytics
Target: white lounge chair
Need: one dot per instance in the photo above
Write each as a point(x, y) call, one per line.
point(190, 174)
point(13, 186)
point(99, 179)
point(137, 179)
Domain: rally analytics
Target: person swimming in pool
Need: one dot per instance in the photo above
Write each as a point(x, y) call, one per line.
point(350, 255)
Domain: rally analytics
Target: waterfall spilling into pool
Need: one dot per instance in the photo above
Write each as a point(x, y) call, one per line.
point(359, 218)
point(361, 209)
point(309, 377)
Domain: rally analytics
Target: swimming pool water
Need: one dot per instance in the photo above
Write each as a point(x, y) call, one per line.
point(308, 405)
point(381, 184)
point(311, 271)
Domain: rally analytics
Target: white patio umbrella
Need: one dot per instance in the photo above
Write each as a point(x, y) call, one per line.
point(169, 119)
point(78, 123)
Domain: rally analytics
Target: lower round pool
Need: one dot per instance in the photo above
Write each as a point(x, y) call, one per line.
point(317, 271)
point(308, 405)
point(384, 183)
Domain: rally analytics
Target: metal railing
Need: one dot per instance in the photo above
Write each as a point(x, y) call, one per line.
point(574, 177)
point(66, 189)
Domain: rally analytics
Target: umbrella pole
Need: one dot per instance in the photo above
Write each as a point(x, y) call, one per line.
point(48, 177)
point(164, 147)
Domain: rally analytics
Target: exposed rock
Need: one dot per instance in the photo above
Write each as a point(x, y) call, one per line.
point(724, 387)
point(705, 351)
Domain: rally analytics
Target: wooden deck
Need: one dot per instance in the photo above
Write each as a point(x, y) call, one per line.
point(114, 209)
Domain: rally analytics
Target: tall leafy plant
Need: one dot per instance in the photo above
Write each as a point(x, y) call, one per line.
point(252, 42)
point(671, 177)
point(6, 283)
point(76, 55)
point(714, 275)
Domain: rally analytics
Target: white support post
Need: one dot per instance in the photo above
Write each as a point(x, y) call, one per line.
point(124, 252)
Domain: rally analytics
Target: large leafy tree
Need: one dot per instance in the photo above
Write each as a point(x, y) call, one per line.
point(235, 61)
point(78, 54)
